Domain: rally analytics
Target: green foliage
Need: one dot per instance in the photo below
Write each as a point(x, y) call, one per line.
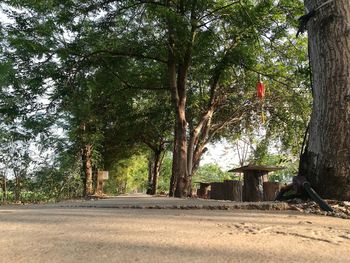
point(289, 162)
point(27, 197)
point(211, 173)
point(55, 185)
point(102, 68)
point(128, 176)
point(165, 173)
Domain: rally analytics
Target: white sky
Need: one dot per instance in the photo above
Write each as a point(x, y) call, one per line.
point(3, 18)
point(223, 154)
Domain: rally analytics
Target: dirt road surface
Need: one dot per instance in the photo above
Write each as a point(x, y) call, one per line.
point(118, 230)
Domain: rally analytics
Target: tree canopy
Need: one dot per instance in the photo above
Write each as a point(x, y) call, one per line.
point(104, 81)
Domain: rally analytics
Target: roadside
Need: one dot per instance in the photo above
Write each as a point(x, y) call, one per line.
point(143, 201)
point(103, 232)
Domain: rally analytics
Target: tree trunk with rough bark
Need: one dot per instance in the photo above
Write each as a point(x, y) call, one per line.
point(150, 175)
point(179, 61)
point(177, 82)
point(155, 172)
point(154, 164)
point(326, 162)
point(181, 138)
point(87, 169)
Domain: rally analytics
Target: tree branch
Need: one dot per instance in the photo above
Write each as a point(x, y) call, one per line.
point(128, 85)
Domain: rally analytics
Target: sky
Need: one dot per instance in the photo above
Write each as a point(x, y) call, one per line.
point(3, 18)
point(221, 153)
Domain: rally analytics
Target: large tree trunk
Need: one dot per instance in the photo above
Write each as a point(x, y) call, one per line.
point(154, 164)
point(327, 160)
point(174, 94)
point(155, 172)
point(178, 68)
point(181, 139)
point(177, 83)
point(150, 174)
point(87, 169)
point(179, 179)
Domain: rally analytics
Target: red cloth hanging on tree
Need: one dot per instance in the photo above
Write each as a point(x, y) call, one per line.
point(260, 87)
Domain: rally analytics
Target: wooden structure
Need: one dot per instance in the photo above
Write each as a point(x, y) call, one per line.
point(271, 189)
point(218, 191)
point(204, 190)
point(234, 190)
point(253, 178)
point(227, 190)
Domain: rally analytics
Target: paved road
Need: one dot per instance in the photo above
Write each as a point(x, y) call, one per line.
point(103, 231)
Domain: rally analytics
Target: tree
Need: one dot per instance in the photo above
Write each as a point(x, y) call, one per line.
point(212, 57)
point(206, 54)
point(99, 121)
point(168, 36)
point(153, 123)
point(15, 160)
point(185, 39)
point(128, 175)
point(59, 178)
point(327, 154)
point(211, 173)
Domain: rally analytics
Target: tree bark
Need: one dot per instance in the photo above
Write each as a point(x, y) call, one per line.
point(155, 171)
point(177, 82)
point(326, 162)
point(87, 169)
point(150, 175)
point(174, 94)
point(179, 61)
point(181, 130)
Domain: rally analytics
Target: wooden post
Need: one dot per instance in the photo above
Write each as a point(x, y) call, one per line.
point(252, 189)
point(271, 190)
point(233, 190)
point(203, 191)
point(218, 191)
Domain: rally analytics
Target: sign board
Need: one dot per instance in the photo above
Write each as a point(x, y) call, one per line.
point(102, 175)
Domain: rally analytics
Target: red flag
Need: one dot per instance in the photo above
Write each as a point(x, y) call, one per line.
point(260, 90)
